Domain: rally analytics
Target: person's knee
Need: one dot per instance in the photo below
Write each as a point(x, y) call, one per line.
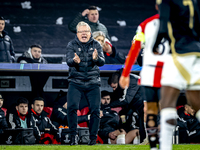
point(172, 121)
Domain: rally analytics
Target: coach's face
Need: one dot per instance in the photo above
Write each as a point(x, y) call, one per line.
point(83, 34)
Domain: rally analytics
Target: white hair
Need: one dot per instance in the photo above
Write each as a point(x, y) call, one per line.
point(98, 33)
point(82, 23)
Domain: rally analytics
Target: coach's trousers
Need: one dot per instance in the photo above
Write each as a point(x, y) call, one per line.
point(92, 94)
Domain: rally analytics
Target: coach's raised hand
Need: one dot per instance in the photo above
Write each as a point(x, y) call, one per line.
point(76, 58)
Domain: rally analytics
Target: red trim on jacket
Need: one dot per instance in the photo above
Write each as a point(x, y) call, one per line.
point(35, 112)
point(23, 117)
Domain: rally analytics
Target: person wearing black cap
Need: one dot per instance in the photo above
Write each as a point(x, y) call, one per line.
point(59, 114)
point(3, 123)
point(7, 53)
point(21, 118)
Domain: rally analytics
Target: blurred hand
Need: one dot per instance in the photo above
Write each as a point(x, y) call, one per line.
point(112, 135)
point(101, 113)
point(76, 58)
point(85, 12)
point(95, 55)
point(122, 131)
point(124, 82)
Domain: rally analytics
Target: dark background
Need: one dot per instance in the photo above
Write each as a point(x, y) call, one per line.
point(38, 24)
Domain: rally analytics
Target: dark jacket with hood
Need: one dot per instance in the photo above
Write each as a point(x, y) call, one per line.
point(7, 53)
point(28, 58)
point(115, 57)
point(13, 119)
point(88, 69)
point(94, 26)
point(130, 98)
point(189, 127)
point(109, 122)
point(3, 123)
point(43, 122)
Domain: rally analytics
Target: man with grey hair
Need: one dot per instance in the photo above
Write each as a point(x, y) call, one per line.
point(84, 56)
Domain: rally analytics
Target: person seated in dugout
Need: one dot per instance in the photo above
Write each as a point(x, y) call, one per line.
point(114, 130)
point(3, 122)
point(130, 99)
point(32, 55)
point(21, 118)
point(43, 122)
point(188, 125)
point(59, 114)
point(112, 56)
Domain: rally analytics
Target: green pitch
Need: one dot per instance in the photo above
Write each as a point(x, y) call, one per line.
point(96, 147)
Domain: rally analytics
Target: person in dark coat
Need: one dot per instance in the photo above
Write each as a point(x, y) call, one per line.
point(7, 54)
point(43, 123)
point(91, 17)
point(114, 130)
point(3, 122)
point(187, 123)
point(130, 98)
point(32, 55)
point(21, 118)
point(109, 123)
point(84, 56)
point(112, 56)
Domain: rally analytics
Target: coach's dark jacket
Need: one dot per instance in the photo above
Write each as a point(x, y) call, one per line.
point(87, 71)
point(3, 123)
point(7, 53)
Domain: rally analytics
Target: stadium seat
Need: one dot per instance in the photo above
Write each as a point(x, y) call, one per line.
point(84, 111)
point(5, 110)
point(48, 110)
point(117, 109)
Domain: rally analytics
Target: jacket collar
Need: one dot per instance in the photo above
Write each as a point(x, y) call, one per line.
point(35, 113)
point(22, 117)
point(4, 33)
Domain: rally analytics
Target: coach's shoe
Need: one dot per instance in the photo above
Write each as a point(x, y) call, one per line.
point(92, 142)
point(73, 140)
